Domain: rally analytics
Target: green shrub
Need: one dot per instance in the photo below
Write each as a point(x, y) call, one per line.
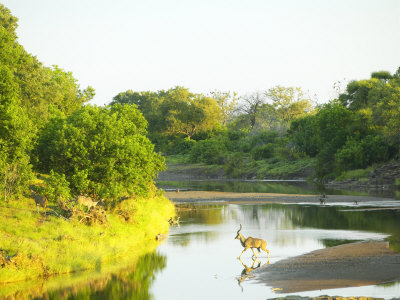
point(234, 165)
point(212, 151)
point(57, 187)
point(263, 152)
point(102, 148)
point(360, 154)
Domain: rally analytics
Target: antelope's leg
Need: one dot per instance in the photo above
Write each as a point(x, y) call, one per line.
point(252, 249)
point(242, 252)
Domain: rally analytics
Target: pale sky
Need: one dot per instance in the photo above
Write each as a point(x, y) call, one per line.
point(205, 45)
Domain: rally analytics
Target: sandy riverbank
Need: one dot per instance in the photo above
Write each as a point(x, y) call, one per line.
point(356, 264)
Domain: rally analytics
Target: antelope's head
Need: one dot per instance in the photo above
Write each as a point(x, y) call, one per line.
point(238, 233)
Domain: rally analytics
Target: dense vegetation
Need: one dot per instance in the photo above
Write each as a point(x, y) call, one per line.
point(281, 130)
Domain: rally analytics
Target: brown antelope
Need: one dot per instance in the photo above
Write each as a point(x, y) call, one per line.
point(40, 201)
point(251, 243)
point(87, 201)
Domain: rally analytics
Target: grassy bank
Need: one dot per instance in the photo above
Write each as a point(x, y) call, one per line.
point(242, 168)
point(41, 246)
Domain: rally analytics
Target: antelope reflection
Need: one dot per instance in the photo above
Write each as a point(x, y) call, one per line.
point(246, 273)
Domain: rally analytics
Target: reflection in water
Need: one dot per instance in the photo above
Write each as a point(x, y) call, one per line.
point(246, 273)
point(132, 283)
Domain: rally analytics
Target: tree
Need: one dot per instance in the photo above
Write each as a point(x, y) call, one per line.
point(251, 107)
point(43, 90)
point(290, 102)
point(149, 103)
point(186, 113)
point(105, 147)
point(227, 102)
point(15, 138)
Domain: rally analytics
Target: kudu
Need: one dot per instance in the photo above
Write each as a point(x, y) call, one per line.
point(40, 201)
point(87, 201)
point(251, 243)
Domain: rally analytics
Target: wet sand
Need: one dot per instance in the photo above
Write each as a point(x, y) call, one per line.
point(355, 264)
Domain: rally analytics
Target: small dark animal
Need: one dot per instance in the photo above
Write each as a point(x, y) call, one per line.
point(40, 201)
point(175, 221)
point(322, 199)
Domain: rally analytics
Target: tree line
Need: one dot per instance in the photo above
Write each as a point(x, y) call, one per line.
point(357, 129)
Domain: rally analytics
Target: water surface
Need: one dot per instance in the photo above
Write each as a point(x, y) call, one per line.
point(202, 253)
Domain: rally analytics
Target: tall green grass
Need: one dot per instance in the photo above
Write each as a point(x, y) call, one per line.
point(50, 245)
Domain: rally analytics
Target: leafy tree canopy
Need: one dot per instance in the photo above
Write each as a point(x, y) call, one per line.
point(102, 151)
point(175, 111)
point(15, 137)
point(43, 90)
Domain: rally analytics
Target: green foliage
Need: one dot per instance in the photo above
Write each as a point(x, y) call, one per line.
point(57, 188)
point(302, 135)
point(263, 152)
point(361, 154)
point(355, 174)
point(80, 182)
point(42, 90)
point(290, 102)
point(176, 111)
point(234, 167)
point(385, 75)
point(15, 138)
point(104, 150)
point(211, 151)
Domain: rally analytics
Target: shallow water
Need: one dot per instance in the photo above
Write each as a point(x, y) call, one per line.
point(201, 253)
point(198, 260)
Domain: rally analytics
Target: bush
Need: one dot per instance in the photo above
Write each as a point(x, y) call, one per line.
point(361, 154)
point(212, 151)
point(263, 152)
point(234, 165)
point(102, 149)
point(57, 187)
point(262, 138)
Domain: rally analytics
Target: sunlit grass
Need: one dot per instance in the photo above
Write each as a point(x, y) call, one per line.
point(51, 245)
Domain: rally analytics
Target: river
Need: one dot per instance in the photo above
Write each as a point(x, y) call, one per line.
point(198, 259)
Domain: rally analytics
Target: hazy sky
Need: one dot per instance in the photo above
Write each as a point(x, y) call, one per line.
point(206, 45)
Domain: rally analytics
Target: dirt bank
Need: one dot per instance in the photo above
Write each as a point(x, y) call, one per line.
point(342, 266)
